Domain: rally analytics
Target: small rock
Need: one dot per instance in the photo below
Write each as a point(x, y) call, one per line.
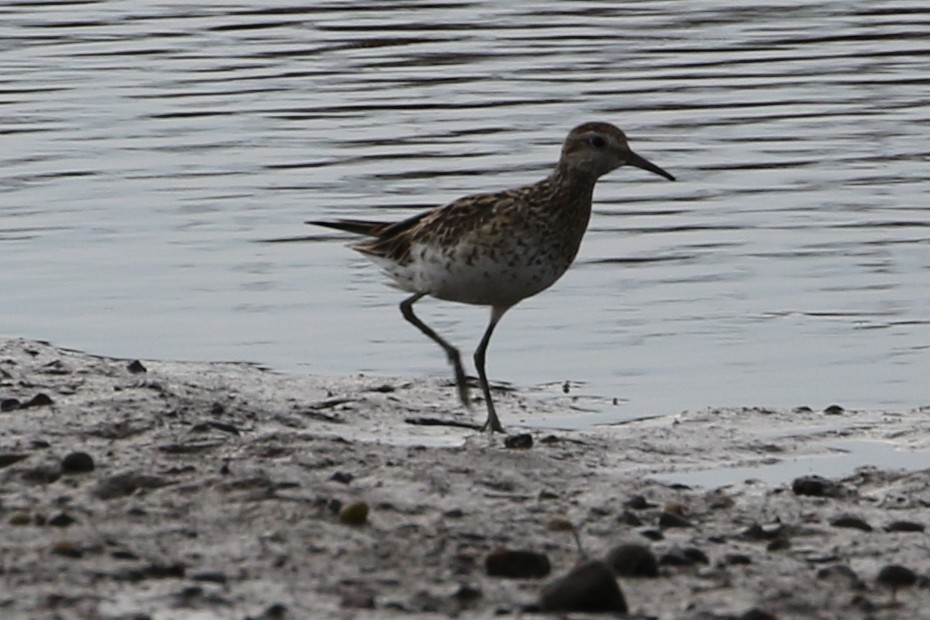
point(589, 587)
point(357, 600)
point(560, 524)
point(834, 410)
point(851, 521)
point(769, 531)
point(815, 486)
point(342, 477)
point(736, 559)
point(894, 577)
point(67, 549)
point(10, 404)
point(122, 485)
point(20, 518)
point(651, 534)
point(517, 564)
point(42, 474)
point(688, 556)
point(136, 367)
point(77, 463)
point(520, 441)
point(39, 400)
point(8, 458)
point(638, 502)
point(840, 573)
point(466, 595)
point(757, 614)
point(633, 560)
point(209, 576)
point(62, 519)
point(628, 517)
point(904, 526)
point(354, 514)
point(671, 519)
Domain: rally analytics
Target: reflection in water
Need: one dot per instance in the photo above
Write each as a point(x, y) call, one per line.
point(150, 148)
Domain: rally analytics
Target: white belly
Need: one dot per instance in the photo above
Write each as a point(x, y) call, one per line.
point(490, 278)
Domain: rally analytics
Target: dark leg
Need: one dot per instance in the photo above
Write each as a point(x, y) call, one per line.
point(406, 307)
point(492, 424)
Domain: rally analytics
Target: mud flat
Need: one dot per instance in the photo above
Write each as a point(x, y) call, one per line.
point(146, 489)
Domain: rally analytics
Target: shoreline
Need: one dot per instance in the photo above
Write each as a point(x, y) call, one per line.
point(224, 490)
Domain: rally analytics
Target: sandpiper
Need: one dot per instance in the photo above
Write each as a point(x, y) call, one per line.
point(496, 249)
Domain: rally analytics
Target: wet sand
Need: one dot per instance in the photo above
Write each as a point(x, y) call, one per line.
point(227, 491)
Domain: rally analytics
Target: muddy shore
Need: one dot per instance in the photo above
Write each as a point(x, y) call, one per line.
point(146, 489)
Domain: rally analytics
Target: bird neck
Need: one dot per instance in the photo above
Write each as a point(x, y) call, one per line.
point(572, 184)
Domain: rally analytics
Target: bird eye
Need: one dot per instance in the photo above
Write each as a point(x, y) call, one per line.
point(597, 142)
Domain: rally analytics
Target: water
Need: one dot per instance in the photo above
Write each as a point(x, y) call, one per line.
point(150, 151)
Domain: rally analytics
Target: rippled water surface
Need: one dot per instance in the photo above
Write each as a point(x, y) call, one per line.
point(151, 150)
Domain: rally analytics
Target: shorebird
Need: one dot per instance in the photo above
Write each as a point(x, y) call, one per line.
point(496, 249)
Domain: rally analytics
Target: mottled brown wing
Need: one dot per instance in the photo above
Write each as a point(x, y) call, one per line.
point(446, 225)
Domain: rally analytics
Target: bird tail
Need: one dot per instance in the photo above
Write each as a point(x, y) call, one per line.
point(359, 227)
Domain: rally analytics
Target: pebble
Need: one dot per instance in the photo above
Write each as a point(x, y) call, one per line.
point(689, 556)
point(136, 367)
point(517, 564)
point(894, 577)
point(10, 404)
point(62, 519)
point(77, 463)
point(851, 521)
point(904, 526)
point(520, 441)
point(633, 560)
point(671, 519)
point(354, 514)
point(589, 587)
point(816, 486)
point(122, 485)
point(8, 458)
point(840, 573)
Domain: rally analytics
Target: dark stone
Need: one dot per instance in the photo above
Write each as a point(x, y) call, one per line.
point(840, 573)
point(895, 576)
point(737, 559)
point(77, 463)
point(629, 518)
point(122, 485)
point(904, 526)
point(517, 564)
point(67, 549)
point(136, 367)
point(8, 458)
point(633, 560)
point(342, 477)
point(671, 519)
point(357, 600)
point(834, 410)
point(209, 576)
point(651, 534)
point(851, 521)
point(638, 502)
point(10, 404)
point(589, 587)
point(771, 531)
point(62, 519)
point(779, 544)
point(688, 556)
point(39, 400)
point(520, 441)
point(42, 474)
point(816, 486)
point(757, 614)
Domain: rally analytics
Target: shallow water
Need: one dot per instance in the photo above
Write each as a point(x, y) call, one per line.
point(151, 151)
